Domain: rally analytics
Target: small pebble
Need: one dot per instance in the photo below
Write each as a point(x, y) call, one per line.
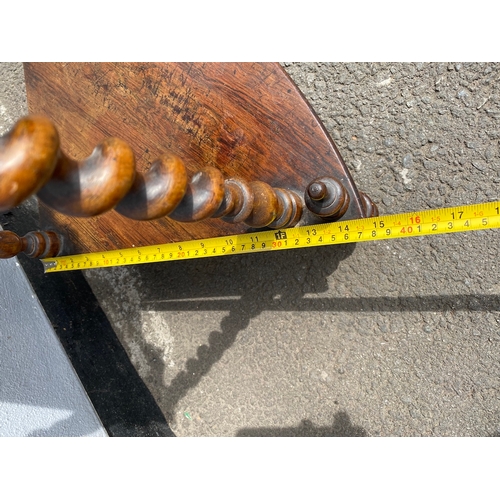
point(407, 161)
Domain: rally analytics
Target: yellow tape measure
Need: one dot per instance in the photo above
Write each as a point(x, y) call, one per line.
point(424, 223)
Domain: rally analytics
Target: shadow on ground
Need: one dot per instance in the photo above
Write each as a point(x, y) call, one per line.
point(256, 279)
point(246, 286)
point(341, 427)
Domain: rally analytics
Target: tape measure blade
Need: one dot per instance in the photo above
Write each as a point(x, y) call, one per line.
point(462, 218)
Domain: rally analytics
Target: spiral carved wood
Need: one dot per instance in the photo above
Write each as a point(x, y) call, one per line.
point(31, 161)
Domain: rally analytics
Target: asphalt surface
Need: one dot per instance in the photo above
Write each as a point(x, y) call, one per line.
point(388, 338)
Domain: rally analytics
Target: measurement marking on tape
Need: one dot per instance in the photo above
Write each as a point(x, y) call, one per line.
point(422, 223)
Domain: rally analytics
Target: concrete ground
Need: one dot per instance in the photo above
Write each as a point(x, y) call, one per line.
point(389, 338)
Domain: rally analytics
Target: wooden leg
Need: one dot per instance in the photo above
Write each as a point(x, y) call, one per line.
point(39, 244)
point(108, 179)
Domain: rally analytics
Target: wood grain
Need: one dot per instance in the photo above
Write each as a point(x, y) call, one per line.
point(248, 120)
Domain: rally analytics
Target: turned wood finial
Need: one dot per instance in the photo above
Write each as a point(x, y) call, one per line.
point(31, 161)
point(327, 198)
point(40, 244)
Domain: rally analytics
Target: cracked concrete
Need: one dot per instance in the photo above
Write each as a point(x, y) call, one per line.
point(387, 338)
